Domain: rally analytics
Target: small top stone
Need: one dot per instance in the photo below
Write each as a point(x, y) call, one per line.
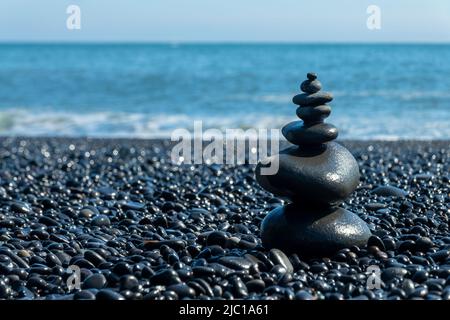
point(311, 76)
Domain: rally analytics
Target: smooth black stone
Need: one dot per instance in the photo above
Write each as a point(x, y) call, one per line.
point(95, 281)
point(84, 295)
point(37, 260)
point(182, 290)
point(315, 99)
point(311, 76)
point(408, 286)
point(398, 292)
point(40, 269)
point(83, 263)
point(435, 284)
point(129, 282)
point(295, 229)
point(256, 285)
point(20, 207)
point(220, 269)
point(298, 264)
point(7, 223)
point(122, 268)
point(440, 255)
point(199, 290)
point(239, 288)
point(37, 282)
point(419, 260)
point(389, 243)
point(361, 297)
point(208, 290)
point(376, 241)
point(63, 257)
point(424, 244)
point(298, 133)
point(304, 295)
point(284, 279)
point(170, 295)
point(147, 272)
point(246, 244)
point(202, 271)
point(278, 270)
point(52, 260)
point(100, 221)
point(49, 221)
point(236, 263)
point(107, 193)
point(423, 177)
point(89, 211)
point(313, 114)
point(14, 257)
point(94, 257)
point(311, 86)
point(318, 268)
point(217, 238)
point(389, 191)
point(393, 272)
point(278, 257)
point(374, 206)
point(131, 205)
point(217, 290)
point(5, 291)
point(446, 294)
point(419, 292)
point(406, 245)
point(40, 234)
point(25, 294)
point(321, 178)
point(53, 296)
point(108, 294)
point(165, 277)
point(174, 244)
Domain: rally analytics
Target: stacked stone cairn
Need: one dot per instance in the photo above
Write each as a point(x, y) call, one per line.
point(315, 175)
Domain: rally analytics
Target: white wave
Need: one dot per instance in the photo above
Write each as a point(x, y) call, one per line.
point(286, 98)
point(397, 94)
point(276, 98)
point(21, 122)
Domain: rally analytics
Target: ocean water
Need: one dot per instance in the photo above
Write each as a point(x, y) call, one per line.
point(148, 90)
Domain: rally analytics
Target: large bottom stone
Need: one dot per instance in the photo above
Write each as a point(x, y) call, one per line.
point(310, 233)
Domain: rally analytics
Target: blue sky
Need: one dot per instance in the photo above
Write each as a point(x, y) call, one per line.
point(226, 20)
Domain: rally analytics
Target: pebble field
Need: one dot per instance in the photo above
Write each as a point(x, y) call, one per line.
point(137, 226)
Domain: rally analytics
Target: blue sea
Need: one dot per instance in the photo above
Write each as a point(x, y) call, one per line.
point(147, 90)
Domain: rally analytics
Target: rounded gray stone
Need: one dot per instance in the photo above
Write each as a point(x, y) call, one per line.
point(95, 281)
point(313, 114)
point(315, 99)
point(309, 86)
point(322, 177)
point(279, 257)
point(313, 232)
point(300, 134)
point(389, 191)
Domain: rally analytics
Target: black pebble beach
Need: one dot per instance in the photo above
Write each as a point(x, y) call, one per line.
point(140, 227)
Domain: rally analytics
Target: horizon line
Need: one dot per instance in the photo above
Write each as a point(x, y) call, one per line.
point(224, 42)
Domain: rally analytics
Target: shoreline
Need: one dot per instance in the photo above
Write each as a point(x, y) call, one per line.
point(283, 142)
